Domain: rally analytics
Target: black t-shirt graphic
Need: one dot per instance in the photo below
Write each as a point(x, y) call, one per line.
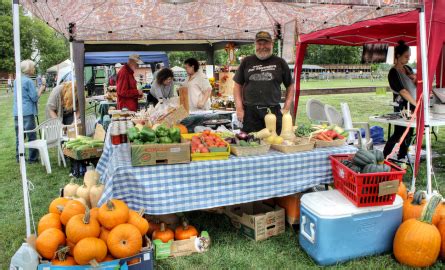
point(262, 79)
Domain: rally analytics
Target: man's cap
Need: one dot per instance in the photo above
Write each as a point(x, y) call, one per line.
point(136, 58)
point(263, 35)
point(118, 65)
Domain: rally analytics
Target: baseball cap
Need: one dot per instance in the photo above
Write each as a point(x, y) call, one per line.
point(263, 35)
point(136, 58)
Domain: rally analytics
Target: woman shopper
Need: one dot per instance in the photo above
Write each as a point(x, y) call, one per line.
point(30, 98)
point(60, 103)
point(199, 88)
point(162, 86)
point(402, 81)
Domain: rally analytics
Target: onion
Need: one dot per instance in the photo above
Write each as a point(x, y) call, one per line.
point(242, 136)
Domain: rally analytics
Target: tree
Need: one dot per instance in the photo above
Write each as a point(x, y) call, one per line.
point(333, 54)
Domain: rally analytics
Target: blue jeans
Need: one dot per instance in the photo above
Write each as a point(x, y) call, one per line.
point(29, 123)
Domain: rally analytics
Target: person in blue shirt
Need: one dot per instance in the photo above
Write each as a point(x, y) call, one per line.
point(30, 98)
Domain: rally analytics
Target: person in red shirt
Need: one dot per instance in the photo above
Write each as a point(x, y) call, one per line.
point(127, 92)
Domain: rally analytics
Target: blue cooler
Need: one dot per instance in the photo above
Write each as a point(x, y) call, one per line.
point(333, 230)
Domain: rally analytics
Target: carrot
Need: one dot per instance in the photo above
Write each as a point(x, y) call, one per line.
point(326, 137)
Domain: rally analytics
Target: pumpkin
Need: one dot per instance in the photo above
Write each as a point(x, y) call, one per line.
point(164, 234)
point(270, 121)
point(90, 250)
point(413, 206)
point(71, 246)
point(94, 212)
point(182, 128)
point(138, 220)
point(62, 259)
point(71, 209)
point(185, 231)
point(54, 205)
point(82, 226)
point(113, 213)
point(95, 194)
point(153, 225)
point(80, 199)
point(379, 157)
point(374, 168)
point(50, 220)
point(417, 241)
point(49, 241)
point(84, 192)
point(104, 234)
point(91, 178)
point(108, 258)
point(70, 189)
point(402, 191)
point(124, 240)
point(363, 158)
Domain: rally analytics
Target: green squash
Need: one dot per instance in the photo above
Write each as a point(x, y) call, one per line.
point(363, 158)
point(378, 156)
point(374, 168)
point(351, 165)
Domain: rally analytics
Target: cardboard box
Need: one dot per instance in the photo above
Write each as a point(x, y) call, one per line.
point(257, 220)
point(154, 154)
point(71, 131)
point(182, 247)
point(95, 152)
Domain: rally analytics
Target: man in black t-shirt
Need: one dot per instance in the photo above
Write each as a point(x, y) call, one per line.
point(257, 86)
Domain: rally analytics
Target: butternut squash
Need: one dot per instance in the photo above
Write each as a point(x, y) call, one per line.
point(70, 189)
point(95, 194)
point(286, 129)
point(271, 122)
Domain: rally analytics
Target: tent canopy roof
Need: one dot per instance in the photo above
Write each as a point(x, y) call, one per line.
point(210, 20)
point(108, 58)
point(59, 66)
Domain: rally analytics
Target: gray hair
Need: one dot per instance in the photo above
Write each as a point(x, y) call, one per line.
point(27, 66)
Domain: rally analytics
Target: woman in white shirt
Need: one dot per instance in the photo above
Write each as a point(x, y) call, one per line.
point(199, 88)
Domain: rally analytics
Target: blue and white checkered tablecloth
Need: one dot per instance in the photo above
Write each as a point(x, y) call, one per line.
point(164, 189)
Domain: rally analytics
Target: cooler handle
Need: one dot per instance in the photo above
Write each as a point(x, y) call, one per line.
point(310, 238)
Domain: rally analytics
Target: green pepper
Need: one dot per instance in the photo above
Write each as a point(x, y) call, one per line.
point(175, 134)
point(147, 135)
point(161, 131)
point(138, 142)
point(133, 134)
point(165, 140)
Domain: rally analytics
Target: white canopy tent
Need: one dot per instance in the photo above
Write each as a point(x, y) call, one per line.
point(56, 68)
point(160, 22)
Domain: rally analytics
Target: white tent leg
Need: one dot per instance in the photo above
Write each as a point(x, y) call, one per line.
point(426, 100)
point(18, 77)
point(72, 89)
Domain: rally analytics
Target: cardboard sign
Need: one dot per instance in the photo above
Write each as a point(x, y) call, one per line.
point(154, 154)
point(388, 187)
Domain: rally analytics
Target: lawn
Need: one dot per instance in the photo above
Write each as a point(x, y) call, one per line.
point(339, 83)
point(228, 251)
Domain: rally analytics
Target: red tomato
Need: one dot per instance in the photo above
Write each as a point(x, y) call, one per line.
point(204, 150)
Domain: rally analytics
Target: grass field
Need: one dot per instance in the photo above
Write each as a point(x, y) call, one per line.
point(228, 251)
point(338, 83)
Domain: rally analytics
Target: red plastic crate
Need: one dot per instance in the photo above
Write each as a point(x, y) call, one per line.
point(362, 189)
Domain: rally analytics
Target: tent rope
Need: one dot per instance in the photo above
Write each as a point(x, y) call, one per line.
point(31, 188)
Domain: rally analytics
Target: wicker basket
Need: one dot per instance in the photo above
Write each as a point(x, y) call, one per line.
point(334, 143)
point(242, 151)
point(302, 145)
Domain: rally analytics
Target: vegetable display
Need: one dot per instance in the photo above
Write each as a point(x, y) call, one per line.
point(83, 143)
point(208, 142)
point(303, 131)
point(161, 135)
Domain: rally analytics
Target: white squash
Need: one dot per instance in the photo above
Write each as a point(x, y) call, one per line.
point(270, 121)
point(95, 194)
point(82, 200)
point(84, 192)
point(91, 178)
point(286, 129)
point(70, 189)
point(262, 134)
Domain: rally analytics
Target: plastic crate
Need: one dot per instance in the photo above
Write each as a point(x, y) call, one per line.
point(219, 154)
point(362, 189)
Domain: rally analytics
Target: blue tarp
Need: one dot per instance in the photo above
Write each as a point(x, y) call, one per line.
point(111, 58)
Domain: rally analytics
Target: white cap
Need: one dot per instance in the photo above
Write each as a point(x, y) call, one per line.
point(136, 58)
point(118, 65)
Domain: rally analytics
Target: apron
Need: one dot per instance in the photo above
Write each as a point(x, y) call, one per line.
point(409, 86)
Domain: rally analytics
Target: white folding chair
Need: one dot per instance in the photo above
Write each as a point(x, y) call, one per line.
point(336, 118)
point(315, 111)
point(51, 134)
point(90, 124)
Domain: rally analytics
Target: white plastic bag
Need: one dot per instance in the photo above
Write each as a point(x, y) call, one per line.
point(25, 258)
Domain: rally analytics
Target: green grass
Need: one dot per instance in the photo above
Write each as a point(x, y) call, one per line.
point(339, 83)
point(228, 251)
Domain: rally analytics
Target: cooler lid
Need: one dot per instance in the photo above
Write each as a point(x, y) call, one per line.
point(333, 204)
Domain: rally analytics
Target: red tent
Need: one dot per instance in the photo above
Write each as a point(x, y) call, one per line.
point(389, 29)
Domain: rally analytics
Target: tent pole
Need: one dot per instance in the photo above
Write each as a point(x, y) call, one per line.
point(72, 89)
point(426, 99)
point(18, 84)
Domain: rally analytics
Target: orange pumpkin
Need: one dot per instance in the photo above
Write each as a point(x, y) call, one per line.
point(417, 241)
point(185, 231)
point(82, 226)
point(124, 240)
point(413, 206)
point(94, 212)
point(104, 234)
point(71, 246)
point(108, 258)
point(113, 213)
point(90, 250)
point(164, 234)
point(49, 241)
point(182, 128)
point(54, 206)
point(441, 228)
point(50, 220)
point(138, 220)
point(62, 259)
point(71, 209)
point(153, 225)
point(402, 191)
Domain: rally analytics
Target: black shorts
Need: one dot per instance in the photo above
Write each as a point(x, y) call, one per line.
point(254, 117)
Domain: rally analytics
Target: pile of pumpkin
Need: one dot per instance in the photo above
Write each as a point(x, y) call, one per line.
point(367, 161)
point(420, 239)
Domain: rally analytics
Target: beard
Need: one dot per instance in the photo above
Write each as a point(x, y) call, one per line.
point(263, 54)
